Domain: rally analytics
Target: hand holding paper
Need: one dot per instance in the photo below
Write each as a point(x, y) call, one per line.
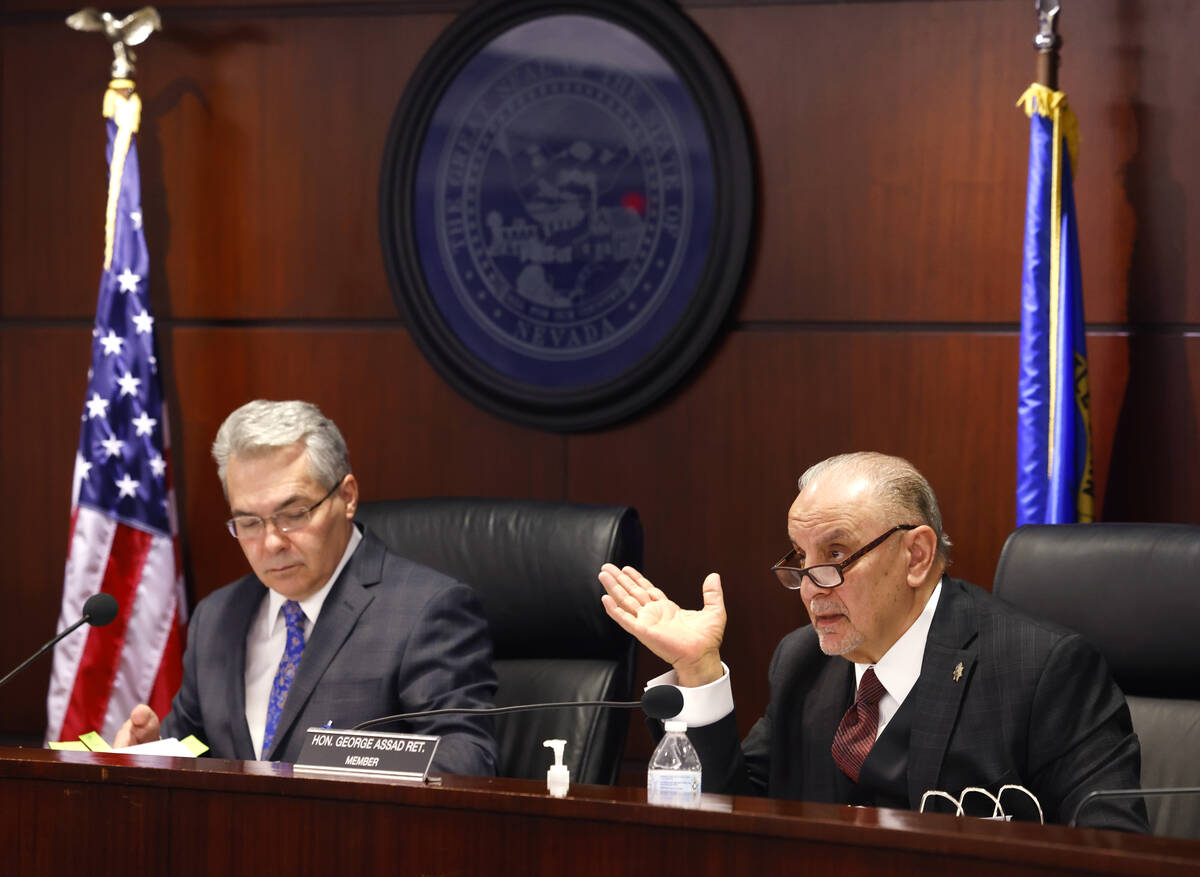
point(140, 727)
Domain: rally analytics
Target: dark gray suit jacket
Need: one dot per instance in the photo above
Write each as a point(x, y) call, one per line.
point(392, 637)
point(1035, 705)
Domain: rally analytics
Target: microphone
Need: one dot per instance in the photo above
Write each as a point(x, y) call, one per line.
point(659, 702)
point(98, 611)
point(1099, 794)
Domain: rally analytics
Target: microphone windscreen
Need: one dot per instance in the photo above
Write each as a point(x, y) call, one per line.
point(662, 702)
point(100, 609)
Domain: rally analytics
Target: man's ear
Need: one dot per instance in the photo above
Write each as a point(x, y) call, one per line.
point(349, 494)
point(922, 554)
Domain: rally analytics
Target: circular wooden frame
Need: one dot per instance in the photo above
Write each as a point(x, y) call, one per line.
point(540, 362)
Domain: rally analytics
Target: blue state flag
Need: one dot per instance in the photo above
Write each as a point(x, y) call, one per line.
point(1054, 447)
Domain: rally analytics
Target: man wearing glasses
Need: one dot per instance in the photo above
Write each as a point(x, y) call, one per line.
point(330, 629)
point(942, 686)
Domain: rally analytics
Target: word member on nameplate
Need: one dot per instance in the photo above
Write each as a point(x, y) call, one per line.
point(377, 753)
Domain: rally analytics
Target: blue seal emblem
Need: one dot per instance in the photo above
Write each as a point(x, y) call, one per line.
point(560, 220)
point(563, 202)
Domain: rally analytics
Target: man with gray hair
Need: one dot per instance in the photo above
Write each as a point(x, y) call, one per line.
point(942, 686)
point(330, 629)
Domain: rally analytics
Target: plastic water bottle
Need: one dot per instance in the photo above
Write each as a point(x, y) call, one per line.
point(673, 779)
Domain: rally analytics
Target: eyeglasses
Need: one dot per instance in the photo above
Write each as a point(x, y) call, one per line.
point(287, 520)
point(826, 575)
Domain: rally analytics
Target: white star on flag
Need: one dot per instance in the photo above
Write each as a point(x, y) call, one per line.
point(128, 280)
point(112, 446)
point(145, 423)
point(158, 466)
point(135, 216)
point(144, 322)
point(127, 486)
point(128, 384)
point(82, 468)
point(112, 343)
point(96, 406)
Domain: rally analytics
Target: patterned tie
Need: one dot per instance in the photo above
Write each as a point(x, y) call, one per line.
point(856, 734)
point(292, 651)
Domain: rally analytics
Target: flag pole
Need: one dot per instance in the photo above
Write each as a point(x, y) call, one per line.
point(1048, 42)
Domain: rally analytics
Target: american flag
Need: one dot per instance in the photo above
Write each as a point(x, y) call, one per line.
point(123, 536)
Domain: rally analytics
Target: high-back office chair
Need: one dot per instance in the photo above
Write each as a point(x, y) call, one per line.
point(1133, 590)
point(534, 567)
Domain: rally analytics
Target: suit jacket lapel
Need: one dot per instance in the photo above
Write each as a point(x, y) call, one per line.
point(941, 686)
point(833, 694)
point(348, 598)
point(240, 614)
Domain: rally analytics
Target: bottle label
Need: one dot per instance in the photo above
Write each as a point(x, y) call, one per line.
point(673, 788)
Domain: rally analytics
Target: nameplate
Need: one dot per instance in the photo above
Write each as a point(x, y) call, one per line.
point(378, 753)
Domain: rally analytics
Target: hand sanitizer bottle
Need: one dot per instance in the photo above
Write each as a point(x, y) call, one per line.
point(673, 778)
point(558, 777)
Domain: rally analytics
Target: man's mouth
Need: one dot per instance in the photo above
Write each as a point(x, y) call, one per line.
point(824, 616)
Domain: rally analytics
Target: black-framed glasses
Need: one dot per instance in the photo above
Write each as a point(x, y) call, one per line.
point(287, 520)
point(827, 575)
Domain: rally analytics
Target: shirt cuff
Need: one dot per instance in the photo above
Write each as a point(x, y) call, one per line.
point(704, 704)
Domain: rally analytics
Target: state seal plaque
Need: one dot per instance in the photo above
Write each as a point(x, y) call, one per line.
point(566, 206)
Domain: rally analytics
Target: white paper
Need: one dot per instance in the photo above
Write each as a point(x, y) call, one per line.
point(170, 746)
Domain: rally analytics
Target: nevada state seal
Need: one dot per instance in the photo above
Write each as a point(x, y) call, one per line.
point(553, 214)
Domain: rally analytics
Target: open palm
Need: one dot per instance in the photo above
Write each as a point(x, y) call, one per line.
point(688, 639)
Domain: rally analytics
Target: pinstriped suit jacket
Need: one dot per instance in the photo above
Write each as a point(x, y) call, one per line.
point(1035, 705)
point(393, 636)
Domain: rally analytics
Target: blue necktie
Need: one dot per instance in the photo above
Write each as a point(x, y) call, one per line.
point(292, 651)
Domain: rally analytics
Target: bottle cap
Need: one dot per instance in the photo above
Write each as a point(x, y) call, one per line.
point(673, 725)
point(558, 777)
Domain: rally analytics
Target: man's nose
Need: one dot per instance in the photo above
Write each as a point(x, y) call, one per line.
point(810, 590)
point(273, 537)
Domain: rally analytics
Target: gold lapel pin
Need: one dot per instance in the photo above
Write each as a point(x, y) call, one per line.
point(958, 671)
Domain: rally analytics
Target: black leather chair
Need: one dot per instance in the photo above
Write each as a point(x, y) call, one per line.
point(534, 567)
point(1133, 590)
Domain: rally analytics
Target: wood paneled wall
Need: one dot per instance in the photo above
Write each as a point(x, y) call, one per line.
point(880, 309)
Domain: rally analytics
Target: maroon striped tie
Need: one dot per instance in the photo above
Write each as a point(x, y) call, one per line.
point(856, 734)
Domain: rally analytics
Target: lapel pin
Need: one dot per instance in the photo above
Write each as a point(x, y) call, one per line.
point(958, 671)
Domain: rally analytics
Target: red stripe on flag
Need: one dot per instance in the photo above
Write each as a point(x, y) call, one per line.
point(102, 653)
point(170, 670)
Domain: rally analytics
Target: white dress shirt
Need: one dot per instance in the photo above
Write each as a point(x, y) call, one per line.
point(266, 639)
point(898, 671)
point(900, 666)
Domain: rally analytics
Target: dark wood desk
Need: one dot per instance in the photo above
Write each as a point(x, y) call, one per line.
point(75, 814)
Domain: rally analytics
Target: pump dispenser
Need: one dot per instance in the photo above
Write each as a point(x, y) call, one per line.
point(558, 777)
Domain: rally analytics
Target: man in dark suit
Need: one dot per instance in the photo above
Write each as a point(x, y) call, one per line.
point(331, 628)
point(942, 687)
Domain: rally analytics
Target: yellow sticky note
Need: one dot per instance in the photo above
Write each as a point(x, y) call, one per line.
point(192, 742)
point(69, 746)
point(94, 742)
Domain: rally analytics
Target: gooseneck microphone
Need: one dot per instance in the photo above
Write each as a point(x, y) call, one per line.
point(1102, 794)
point(98, 611)
point(659, 702)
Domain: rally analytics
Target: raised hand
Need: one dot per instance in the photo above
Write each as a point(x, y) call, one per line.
point(688, 639)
